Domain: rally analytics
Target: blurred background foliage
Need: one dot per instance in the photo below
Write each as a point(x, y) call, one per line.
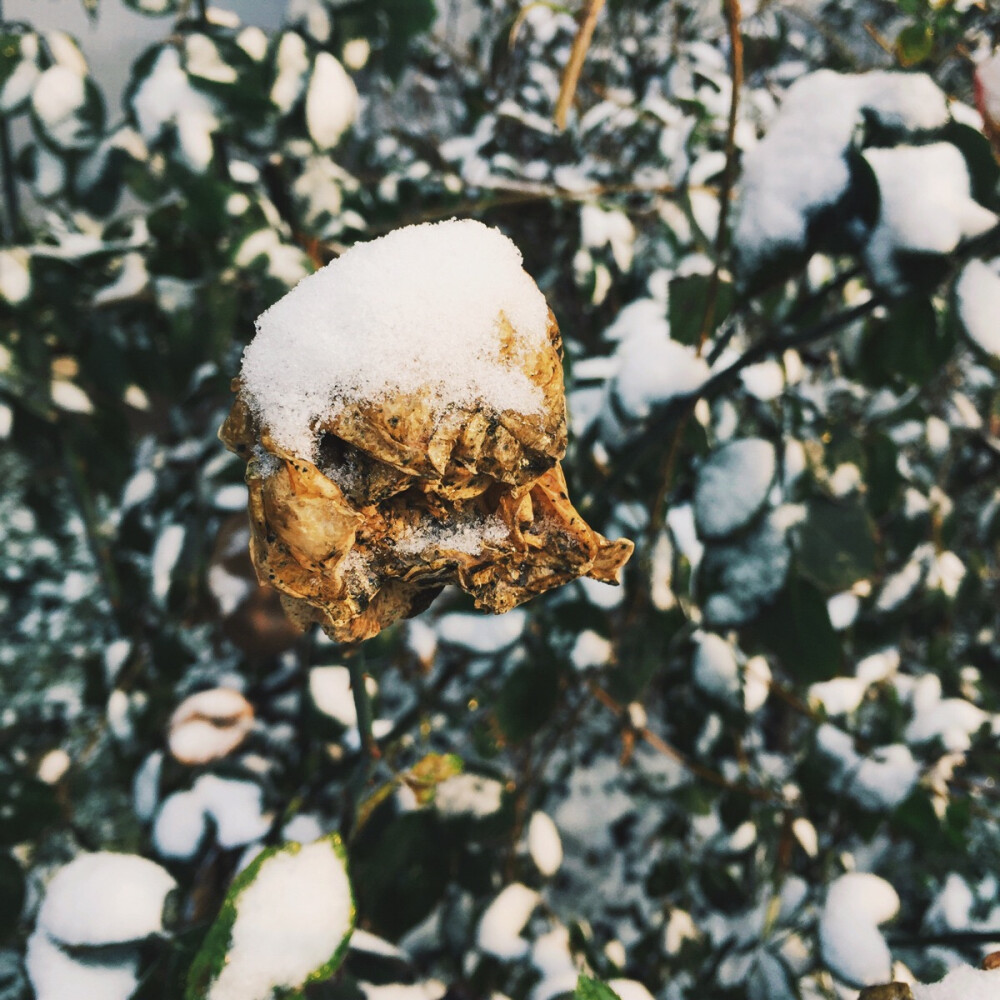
point(798, 677)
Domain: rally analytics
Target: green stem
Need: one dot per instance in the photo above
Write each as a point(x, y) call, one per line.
point(362, 705)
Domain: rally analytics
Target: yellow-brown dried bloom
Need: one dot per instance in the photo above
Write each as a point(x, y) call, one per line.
point(402, 415)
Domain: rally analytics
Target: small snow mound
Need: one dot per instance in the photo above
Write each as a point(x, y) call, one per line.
point(733, 486)
point(105, 898)
point(962, 983)
point(501, 925)
point(977, 293)
point(416, 310)
point(544, 844)
point(852, 945)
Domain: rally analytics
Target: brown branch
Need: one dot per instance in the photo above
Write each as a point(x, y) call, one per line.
point(571, 76)
point(659, 744)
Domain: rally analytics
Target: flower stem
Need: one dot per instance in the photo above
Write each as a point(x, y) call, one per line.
point(362, 705)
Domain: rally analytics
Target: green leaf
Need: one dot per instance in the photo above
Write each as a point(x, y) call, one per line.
point(11, 894)
point(914, 44)
point(688, 297)
point(836, 544)
point(527, 699)
point(593, 989)
point(984, 171)
point(304, 872)
point(797, 629)
point(909, 344)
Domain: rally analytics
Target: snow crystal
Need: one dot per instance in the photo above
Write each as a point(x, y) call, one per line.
point(289, 922)
point(733, 485)
point(167, 98)
point(105, 898)
point(331, 101)
point(466, 535)
point(468, 795)
point(56, 975)
point(415, 310)
point(180, 826)
point(852, 946)
point(715, 668)
point(926, 205)
point(962, 983)
point(799, 166)
point(544, 844)
point(501, 925)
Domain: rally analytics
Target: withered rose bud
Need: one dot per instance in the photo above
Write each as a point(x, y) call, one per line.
point(402, 416)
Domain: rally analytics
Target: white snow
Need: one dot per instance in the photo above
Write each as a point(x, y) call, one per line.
point(838, 696)
point(799, 166)
point(500, 926)
point(608, 227)
point(292, 62)
point(132, 280)
point(331, 101)
point(715, 669)
point(733, 485)
point(235, 807)
point(56, 975)
point(330, 690)
point(202, 58)
point(467, 535)
point(852, 946)
point(15, 278)
point(289, 923)
point(756, 683)
point(105, 898)
point(166, 552)
point(70, 397)
point(590, 650)
point(977, 293)
point(146, 786)
point(880, 780)
point(950, 720)
point(962, 983)
point(57, 100)
point(482, 633)
point(468, 795)
point(843, 609)
point(417, 310)
point(180, 826)
point(544, 844)
point(926, 205)
point(167, 98)
point(285, 262)
point(630, 989)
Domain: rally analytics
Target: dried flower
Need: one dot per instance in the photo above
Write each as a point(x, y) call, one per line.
point(402, 415)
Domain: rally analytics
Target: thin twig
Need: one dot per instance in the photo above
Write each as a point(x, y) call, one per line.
point(362, 705)
point(659, 744)
point(571, 76)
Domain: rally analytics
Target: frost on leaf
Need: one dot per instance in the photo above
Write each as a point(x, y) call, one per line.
point(286, 922)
